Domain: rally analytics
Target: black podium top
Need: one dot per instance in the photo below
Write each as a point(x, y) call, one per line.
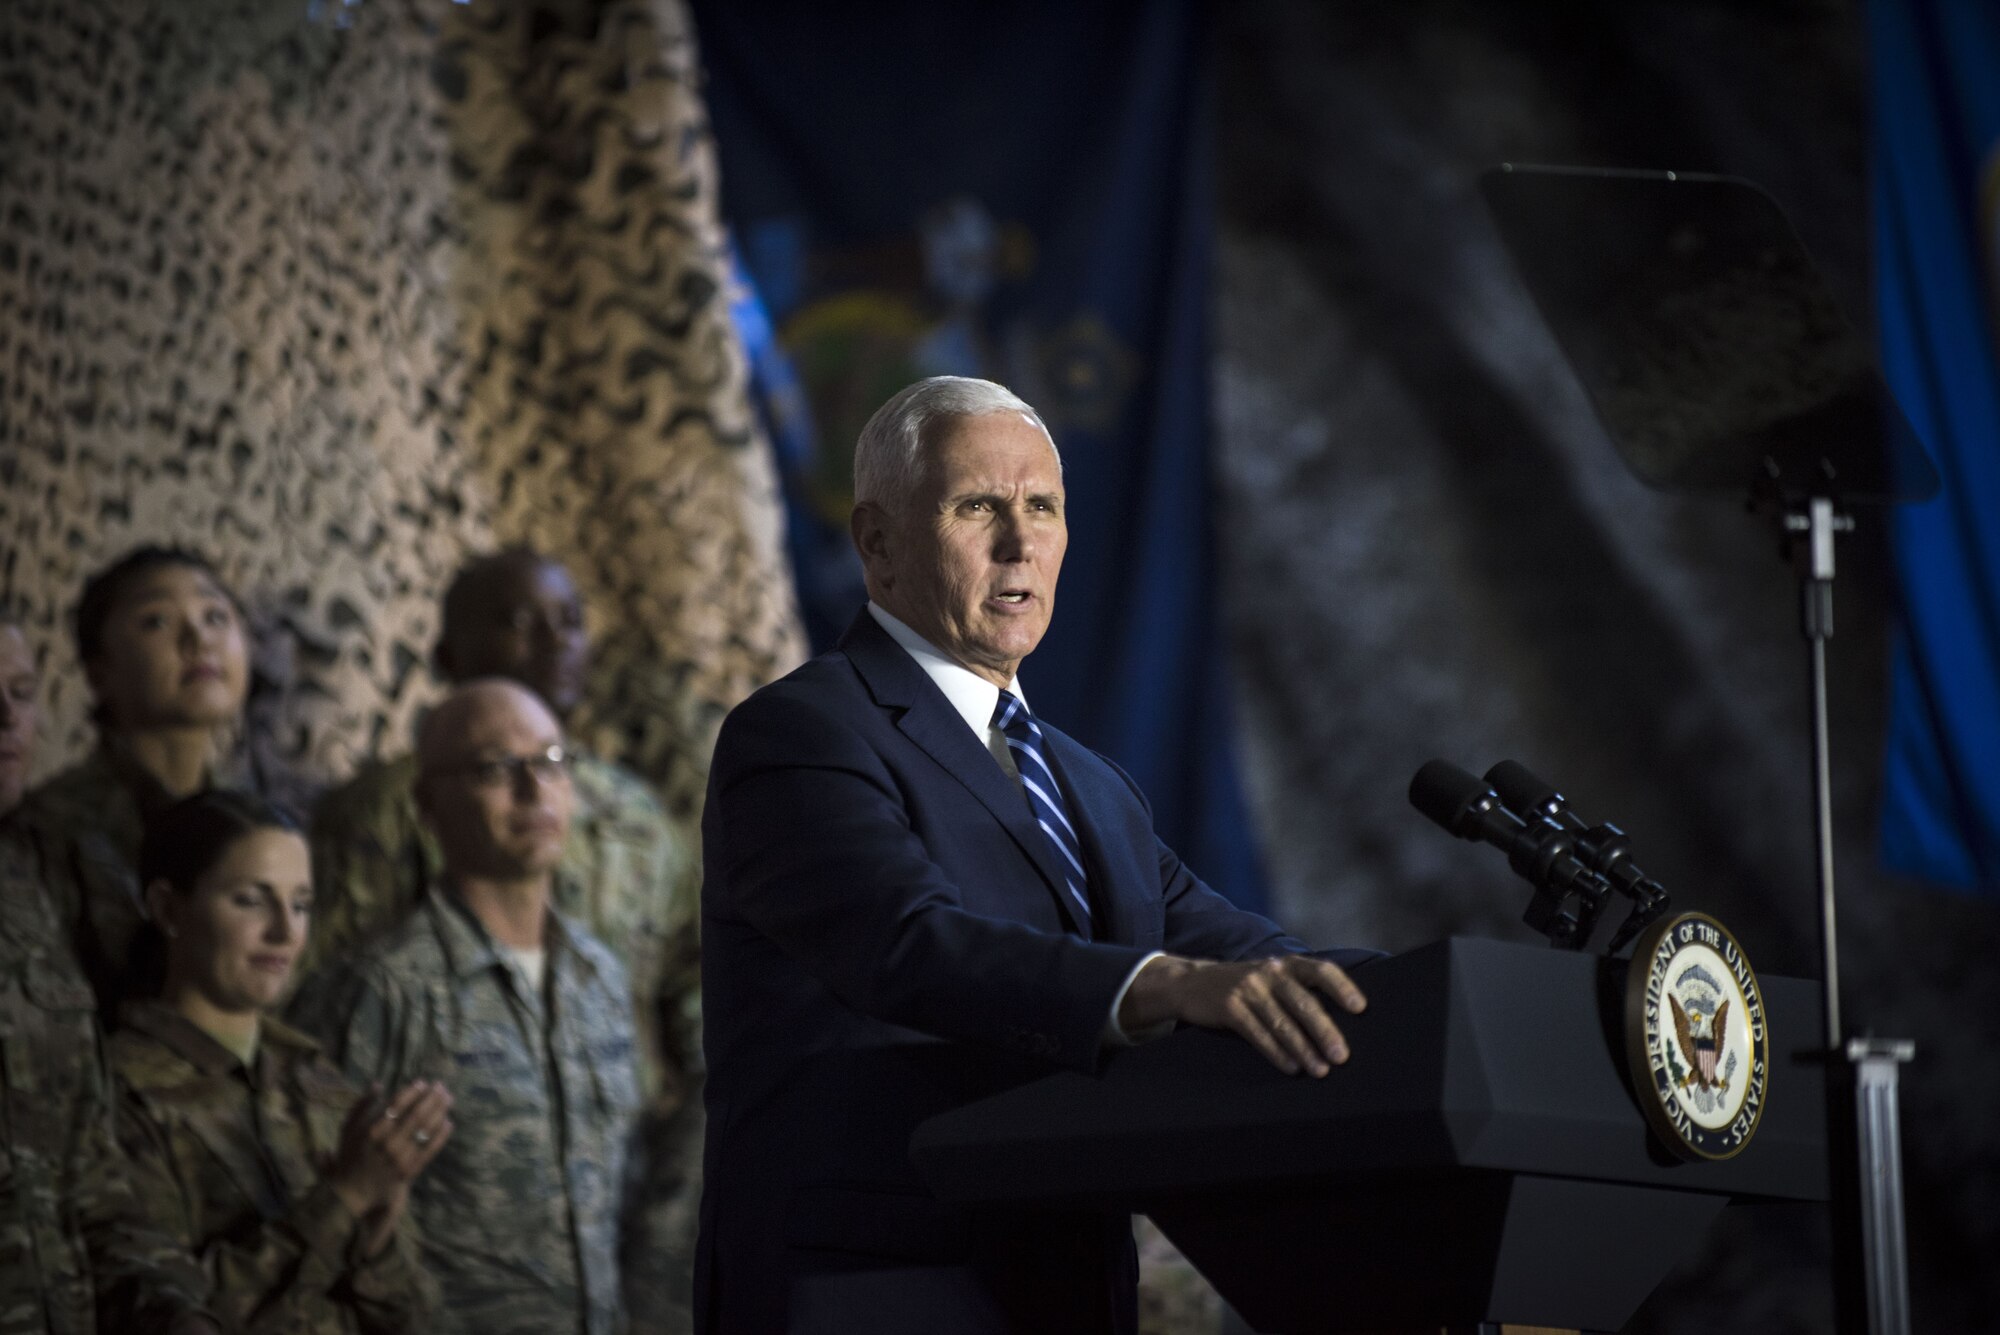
point(1473, 1055)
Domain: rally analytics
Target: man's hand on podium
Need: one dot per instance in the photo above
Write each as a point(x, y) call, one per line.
point(1277, 1004)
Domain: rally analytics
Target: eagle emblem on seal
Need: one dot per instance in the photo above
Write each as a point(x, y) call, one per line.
point(1696, 1037)
point(1701, 1038)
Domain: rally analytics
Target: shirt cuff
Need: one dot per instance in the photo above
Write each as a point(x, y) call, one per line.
point(1114, 1035)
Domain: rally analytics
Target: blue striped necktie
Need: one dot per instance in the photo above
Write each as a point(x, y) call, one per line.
point(1045, 800)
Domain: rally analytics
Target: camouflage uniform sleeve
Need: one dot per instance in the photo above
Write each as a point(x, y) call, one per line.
point(372, 1033)
point(145, 1279)
point(367, 866)
point(364, 1023)
point(679, 985)
point(666, 970)
point(391, 1291)
point(270, 1277)
point(649, 918)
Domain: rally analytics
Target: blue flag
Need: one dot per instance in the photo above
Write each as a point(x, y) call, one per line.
point(1018, 192)
point(1937, 127)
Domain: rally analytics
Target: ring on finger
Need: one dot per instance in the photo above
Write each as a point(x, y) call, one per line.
point(421, 1137)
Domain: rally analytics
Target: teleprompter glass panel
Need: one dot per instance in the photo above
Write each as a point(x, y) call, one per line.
point(1711, 348)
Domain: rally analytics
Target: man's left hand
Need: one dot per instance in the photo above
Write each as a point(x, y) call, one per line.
point(1278, 1005)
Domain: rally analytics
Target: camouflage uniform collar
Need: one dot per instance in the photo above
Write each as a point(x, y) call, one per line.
point(186, 1039)
point(112, 766)
point(109, 785)
point(469, 948)
point(26, 920)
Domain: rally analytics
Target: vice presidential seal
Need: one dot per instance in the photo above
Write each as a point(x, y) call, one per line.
point(1695, 1037)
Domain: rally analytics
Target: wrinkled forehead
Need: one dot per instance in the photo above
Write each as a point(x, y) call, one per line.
point(1003, 446)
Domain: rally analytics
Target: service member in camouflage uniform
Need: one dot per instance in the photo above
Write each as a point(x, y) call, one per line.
point(518, 1010)
point(246, 1146)
point(626, 874)
point(163, 644)
point(76, 1254)
point(620, 855)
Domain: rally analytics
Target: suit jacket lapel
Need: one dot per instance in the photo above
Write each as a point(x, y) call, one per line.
point(927, 719)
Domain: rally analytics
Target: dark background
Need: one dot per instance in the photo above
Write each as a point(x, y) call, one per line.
point(1429, 548)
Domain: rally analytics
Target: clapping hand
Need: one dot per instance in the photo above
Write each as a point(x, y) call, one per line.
point(383, 1148)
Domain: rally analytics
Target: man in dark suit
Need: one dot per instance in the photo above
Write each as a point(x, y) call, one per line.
point(917, 894)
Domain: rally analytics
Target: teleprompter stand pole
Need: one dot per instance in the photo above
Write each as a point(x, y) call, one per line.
point(1864, 1125)
point(1652, 282)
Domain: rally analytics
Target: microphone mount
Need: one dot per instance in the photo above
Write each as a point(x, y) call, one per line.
point(1605, 849)
point(1569, 895)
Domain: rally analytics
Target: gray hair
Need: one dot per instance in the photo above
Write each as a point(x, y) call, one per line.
point(889, 455)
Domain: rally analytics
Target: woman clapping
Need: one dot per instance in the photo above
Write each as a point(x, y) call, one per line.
point(282, 1179)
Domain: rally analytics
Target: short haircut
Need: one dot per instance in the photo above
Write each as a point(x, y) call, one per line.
point(446, 718)
point(102, 590)
point(889, 456)
point(458, 595)
point(188, 838)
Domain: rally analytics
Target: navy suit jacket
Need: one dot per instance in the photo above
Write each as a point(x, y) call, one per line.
point(885, 936)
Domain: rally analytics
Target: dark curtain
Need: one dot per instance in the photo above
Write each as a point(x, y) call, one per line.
point(1937, 119)
point(1019, 192)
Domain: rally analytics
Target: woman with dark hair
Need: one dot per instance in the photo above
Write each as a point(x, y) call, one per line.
point(162, 643)
point(283, 1181)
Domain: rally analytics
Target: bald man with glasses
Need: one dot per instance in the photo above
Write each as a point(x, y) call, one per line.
point(520, 1012)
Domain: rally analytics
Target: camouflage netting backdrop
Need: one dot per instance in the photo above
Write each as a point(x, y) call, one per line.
point(340, 292)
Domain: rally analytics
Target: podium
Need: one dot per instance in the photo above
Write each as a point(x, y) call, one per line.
point(1481, 1157)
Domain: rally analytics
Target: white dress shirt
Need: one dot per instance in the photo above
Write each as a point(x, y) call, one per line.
point(975, 698)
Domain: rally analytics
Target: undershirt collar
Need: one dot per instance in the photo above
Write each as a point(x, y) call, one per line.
point(972, 697)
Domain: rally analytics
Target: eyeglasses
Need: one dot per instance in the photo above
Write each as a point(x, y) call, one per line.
point(547, 766)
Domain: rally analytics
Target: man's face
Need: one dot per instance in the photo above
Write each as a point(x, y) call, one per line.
point(19, 683)
point(499, 806)
point(524, 622)
point(971, 563)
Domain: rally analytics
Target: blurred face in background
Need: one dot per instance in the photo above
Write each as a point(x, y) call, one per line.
point(494, 782)
point(234, 936)
point(172, 654)
point(20, 685)
point(522, 618)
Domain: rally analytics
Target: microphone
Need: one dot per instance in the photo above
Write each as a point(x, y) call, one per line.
point(1605, 849)
point(1538, 849)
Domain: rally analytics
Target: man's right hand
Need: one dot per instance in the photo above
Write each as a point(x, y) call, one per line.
point(1279, 1005)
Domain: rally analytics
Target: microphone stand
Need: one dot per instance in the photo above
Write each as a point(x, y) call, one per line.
point(1864, 1122)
